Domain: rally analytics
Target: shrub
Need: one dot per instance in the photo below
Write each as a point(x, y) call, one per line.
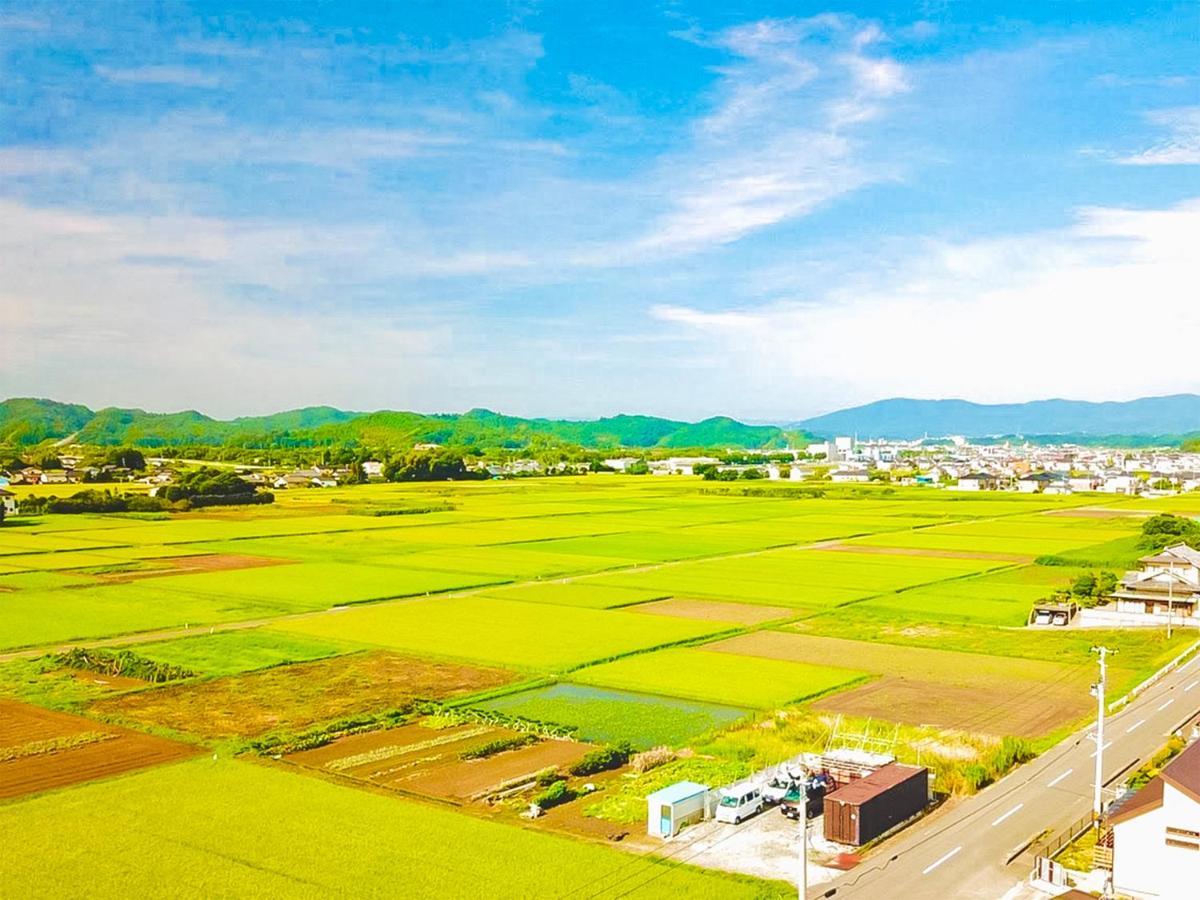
point(652, 759)
point(547, 777)
point(603, 759)
point(491, 748)
point(554, 795)
point(123, 662)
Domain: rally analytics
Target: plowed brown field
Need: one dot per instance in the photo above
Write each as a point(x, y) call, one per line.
point(30, 734)
point(427, 761)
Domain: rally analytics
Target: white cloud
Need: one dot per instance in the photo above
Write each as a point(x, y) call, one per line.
point(1181, 148)
point(86, 318)
point(178, 76)
point(1099, 310)
point(774, 145)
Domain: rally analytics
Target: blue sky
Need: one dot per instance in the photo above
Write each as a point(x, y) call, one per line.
point(766, 210)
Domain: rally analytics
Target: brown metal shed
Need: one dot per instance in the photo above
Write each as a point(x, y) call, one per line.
point(864, 809)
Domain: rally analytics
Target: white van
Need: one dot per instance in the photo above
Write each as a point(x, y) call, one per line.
point(739, 802)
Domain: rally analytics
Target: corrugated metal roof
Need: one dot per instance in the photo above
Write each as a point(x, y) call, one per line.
point(681, 790)
point(878, 782)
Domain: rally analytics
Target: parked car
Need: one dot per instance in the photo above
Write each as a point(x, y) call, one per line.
point(817, 786)
point(739, 802)
point(1060, 618)
point(777, 788)
point(1042, 618)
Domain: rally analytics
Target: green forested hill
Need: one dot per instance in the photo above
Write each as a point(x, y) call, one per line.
point(27, 421)
point(30, 421)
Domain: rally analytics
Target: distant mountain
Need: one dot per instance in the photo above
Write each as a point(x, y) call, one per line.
point(905, 419)
point(29, 421)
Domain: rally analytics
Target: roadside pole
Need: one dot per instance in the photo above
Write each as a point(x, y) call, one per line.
point(1097, 800)
point(1170, 596)
point(804, 837)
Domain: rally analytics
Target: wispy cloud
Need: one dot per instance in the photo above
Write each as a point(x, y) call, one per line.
point(775, 146)
point(947, 320)
point(178, 76)
point(1180, 148)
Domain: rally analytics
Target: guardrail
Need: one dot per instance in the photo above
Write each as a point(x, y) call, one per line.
point(1154, 679)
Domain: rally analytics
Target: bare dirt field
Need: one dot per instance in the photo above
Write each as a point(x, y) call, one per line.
point(714, 611)
point(191, 565)
point(947, 688)
point(108, 682)
point(298, 696)
point(922, 551)
point(1094, 512)
point(996, 710)
point(429, 762)
point(41, 749)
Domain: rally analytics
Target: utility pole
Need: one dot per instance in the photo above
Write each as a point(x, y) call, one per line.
point(1097, 802)
point(1170, 596)
point(804, 836)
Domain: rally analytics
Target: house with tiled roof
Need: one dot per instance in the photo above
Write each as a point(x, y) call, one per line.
point(1168, 583)
point(1156, 834)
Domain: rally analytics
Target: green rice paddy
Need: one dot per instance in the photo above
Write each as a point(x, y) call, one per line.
point(605, 716)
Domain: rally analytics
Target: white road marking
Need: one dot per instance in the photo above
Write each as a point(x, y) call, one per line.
point(1060, 778)
point(1007, 814)
point(1105, 747)
point(1165, 705)
point(1192, 685)
point(1138, 724)
point(933, 866)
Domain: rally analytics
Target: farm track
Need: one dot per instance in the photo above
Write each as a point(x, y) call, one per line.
point(835, 543)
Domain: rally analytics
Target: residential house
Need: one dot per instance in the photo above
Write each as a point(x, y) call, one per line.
point(1168, 583)
point(977, 481)
point(1117, 483)
point(620, 463)
point(56, 476)
point(1043, 483)
point(8, 500)
point(373, 468)
point(1156, 833)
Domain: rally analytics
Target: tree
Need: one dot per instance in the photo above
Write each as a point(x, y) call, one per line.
point(127, 458)
point(1084, 585)
point(1106, 583)
point(441, 464)
point(1163, 529)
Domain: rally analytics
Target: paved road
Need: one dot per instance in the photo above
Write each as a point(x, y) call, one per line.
point(965, 852)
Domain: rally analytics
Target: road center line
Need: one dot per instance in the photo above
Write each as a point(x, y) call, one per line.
point(1138, 724)
point(1192, 685)
point(1007, 814)
point(1060, 778)
point(1105, 747)
point(1165, 705)
point(933, 866)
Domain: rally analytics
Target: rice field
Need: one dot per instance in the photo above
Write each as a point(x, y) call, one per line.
point(512, 633)
point(297, 836)
point(649, 610)
point(606, 716)
point(700, 674)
